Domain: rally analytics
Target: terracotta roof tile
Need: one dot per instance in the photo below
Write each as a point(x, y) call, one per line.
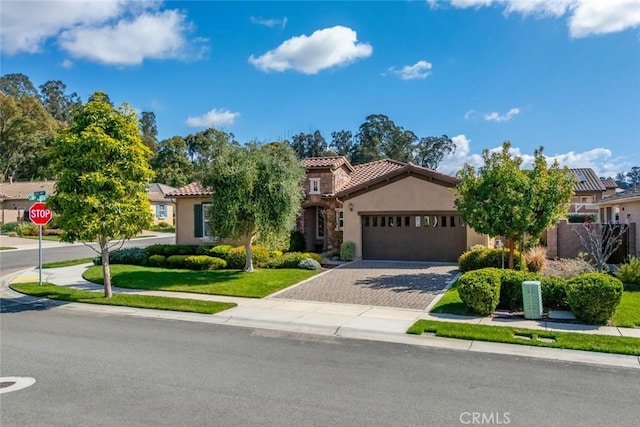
point(370, 171)
point(325, 162)
point(587, 181)
point(190, 190)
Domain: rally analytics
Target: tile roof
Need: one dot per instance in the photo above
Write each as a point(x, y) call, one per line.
point(326, 162)
point(587, 181)
point(626, 195)
point(191, 190)
point(609, 183)
point(157, 192)
point(21, 190)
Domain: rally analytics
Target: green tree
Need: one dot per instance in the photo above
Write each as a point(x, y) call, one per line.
point(103, 173)
point(309, 145)
point(149, 130)
point(431, 150)
point(18, 85)
point(342, 143)
point(57, 102)
point(171, 164)
point(204, 143)
point(501, 199)
point(257, 191)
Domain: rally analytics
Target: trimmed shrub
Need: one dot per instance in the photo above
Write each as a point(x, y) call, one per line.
point(316, 257)
point(288, 260)
point(488, 258)
point(220, 251)
point(480, 290)
point(260, 255)
point(276, 254)
point(177, 261)
point(536, 257)
point(236, 258)
point(133, 256)
point(554, 293)
point(169, 250)
point(347, 251)
point(309, 264)
point(163, 224)
point(27, 229)
point(630, 272)
point(10, 227)
point(203, 262)
point(296, 242)
point(593, 297)
point(578, 218)
point(157, 261)
point(511, 288)
point(477, 246)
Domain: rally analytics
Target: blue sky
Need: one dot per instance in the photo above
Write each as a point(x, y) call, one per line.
point(564, 74)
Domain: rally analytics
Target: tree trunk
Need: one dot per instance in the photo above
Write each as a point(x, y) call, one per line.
point(248, 267)
point(106, 273)
point(511, 248)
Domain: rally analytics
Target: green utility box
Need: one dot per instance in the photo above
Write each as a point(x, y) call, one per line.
point(532, 299)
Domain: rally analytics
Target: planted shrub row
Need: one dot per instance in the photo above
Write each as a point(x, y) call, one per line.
point(478, 258)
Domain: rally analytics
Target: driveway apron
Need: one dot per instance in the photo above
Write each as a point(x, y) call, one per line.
point(379, 283)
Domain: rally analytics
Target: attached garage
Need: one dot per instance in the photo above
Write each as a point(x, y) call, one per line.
point(410, 236)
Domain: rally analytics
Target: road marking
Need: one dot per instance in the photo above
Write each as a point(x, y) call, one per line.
point(25, 279)
point(9, 384)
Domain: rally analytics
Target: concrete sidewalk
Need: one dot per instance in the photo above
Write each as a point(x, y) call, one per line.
point(330, 319)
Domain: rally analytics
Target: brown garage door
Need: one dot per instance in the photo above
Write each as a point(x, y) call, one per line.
point(429, 236)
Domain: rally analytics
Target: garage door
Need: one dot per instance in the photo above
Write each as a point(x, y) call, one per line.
point(429, 236)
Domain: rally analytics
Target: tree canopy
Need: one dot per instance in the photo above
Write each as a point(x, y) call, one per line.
point(257, 191)
point(502, 199)
point(103, 175)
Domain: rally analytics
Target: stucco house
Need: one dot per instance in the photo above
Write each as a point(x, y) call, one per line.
point(389, 209)
point(623, 208)
point(162, 207)
point(589, 189)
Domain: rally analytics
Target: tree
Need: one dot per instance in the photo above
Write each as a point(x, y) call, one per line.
point(431, 150)
point(257, 191)
point(309, 145)
point(633, 176)
point(149, 130)
point(103, 174)
point(342, 143)
point(57, 102)
point(501, 199)
point(372, 138)
point(202, 144)
point(17, 85)
point(171, 164)
point(601, 241)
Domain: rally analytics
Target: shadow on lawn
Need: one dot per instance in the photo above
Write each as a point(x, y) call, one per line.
point(152, 280)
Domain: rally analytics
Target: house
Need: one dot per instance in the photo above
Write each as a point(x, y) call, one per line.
point(623, 208)
point(388, 209)
point(14, 201)
point(588, 190)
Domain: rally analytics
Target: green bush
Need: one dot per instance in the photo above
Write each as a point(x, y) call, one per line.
point(133, 256)
point(169, 250)
point(347, 250)
point(10, 227)
point(554, 293)
point(204, 262)
point(309, 264)
point(157, 261)
point(260, 255)
point(316, 257)
point(288, 260)
point(593, 297)
point(296, 242)
point(236, 258)
point(578, 218)
point(630, 272)
point(479, 290)
point(220, 251)
point(27, 229)
point(177, 261)
point(487, 258)
point(163, 224)
point(52, 232)
point(511, 288)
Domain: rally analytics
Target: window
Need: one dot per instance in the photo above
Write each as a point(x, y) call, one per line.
point(452, 221)
point(205, 220)
point(161, 211)
point(314, 185)
point(443, 221)
point(374, 221)
point(407, 221)
point(418, 221)
point(382, 222)
point(339, 219)
point(319, 223)
point(398, 221)
point(366, 221)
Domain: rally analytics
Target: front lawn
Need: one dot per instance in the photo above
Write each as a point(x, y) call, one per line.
point(450, 302)
point(6, 248)
point(537, 338)
point(47, 290)
point(68, 263)
point(258, 284)
point(628, 312)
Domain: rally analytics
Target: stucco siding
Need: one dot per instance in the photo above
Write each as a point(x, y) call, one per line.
point(185, 223)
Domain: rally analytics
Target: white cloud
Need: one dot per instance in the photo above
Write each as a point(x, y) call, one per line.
point(273, 22)
point(496, 117)
point(323, 49)
point(471, 114)
point(419, 70)
point(213, 118)
point(121, 32)
point(585, 17)
point(67, 63)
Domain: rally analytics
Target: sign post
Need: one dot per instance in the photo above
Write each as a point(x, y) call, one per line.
point(40, 215)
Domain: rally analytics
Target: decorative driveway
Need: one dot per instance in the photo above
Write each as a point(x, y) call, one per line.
point(380, 283)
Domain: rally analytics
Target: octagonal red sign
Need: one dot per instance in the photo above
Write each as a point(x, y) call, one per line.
point(39, 213)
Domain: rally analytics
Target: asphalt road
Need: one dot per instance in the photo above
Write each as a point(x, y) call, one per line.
point(12, 261)
point(106, 370)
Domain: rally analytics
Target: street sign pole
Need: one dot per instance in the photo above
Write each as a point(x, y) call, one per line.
point(39, 255)
point(40, 215)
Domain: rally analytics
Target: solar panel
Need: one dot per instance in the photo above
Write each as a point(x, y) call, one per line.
point(581, 176)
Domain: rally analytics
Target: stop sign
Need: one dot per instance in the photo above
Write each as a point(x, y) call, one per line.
point(40, 214)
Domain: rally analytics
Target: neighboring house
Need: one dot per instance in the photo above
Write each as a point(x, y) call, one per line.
point(624, 208)
point(389, 209)
point(14, 202)
point(588, 190)
point(162, 207)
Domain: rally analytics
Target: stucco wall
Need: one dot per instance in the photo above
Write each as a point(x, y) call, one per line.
point(185, 220)
point(169, 219)
point(408, 194)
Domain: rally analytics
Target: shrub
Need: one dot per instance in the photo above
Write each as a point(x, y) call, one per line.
point(536, 257)
point(288, 260)
point(157, 260)
point(477, 247)
point(296, 242)
point(134, 256)
point(577, 218)
point(316, 257)
point(309, 264)
point(260, 255)
point(12, 234)
point(169, 250)
point(511, 288)
point(203, 262)
point(568, 268)
point(176, 261)
point(220, 251)
point(593, 297)
point(10, 227)
point(163, 224)
point(630, 272)
point(480, 290)
point(27, 229)
point(487, 258)
point(347, 250)
point(276, 254)
point(52, 232)
point(236, 258)
point(554, 293)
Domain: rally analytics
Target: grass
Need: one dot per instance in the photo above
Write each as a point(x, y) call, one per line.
point(47, 290)
point(258, 284)
point(450, 302)
point(6, 248)
point(628, 312)
point(503, 334)
point(52, 238)
point(68, 263)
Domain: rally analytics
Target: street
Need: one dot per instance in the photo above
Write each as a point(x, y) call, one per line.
point(116, 371)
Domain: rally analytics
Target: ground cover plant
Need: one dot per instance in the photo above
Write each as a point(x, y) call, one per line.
point(258, 284)
point(61, 293)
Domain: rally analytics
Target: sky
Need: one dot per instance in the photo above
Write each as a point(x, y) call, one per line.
point(561, 74)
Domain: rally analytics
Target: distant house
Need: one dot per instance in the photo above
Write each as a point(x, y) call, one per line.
point(588, 190)
point(624, 208)
point(389, 209)
point(162, 207)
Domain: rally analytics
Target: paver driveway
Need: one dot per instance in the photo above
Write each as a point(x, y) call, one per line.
point(380, 283)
